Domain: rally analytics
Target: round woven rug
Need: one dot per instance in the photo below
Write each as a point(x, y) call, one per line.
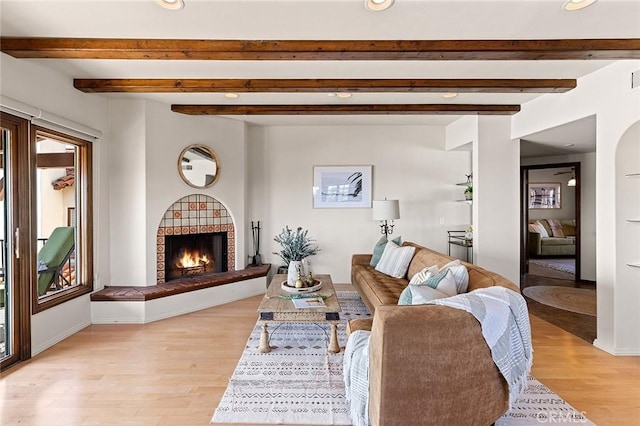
point(579, 300)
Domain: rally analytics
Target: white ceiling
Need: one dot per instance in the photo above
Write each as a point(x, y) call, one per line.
point(320, 20)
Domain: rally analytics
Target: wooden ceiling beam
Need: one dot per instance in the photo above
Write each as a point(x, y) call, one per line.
point(322, 50)
point(349, 109)
point(324, 85)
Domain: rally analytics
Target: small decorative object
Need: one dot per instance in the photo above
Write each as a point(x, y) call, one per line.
point(299, 282)
point(256, 258)
point(469, 234)
point(296, 245)
point(468, 192)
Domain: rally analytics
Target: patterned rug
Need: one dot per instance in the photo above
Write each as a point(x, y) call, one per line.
point(563, 265)
point(298, 383)
point(579, 300)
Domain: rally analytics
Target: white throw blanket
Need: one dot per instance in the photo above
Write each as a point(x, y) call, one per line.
point(504, 320)
point(356, 376)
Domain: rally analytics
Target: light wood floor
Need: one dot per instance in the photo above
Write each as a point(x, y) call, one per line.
point(174, 372)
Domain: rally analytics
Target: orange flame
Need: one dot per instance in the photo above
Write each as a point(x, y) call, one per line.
point(189, 260)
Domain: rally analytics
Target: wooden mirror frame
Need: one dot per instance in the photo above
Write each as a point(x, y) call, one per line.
point(207, 154)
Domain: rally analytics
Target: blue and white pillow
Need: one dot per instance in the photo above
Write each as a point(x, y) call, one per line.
point(435, 287)
point(395, 260)
point(425, 273)
point(460, 275)
point(378, 249)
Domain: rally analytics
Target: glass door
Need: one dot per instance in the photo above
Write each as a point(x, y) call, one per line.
point(15, 307)
point(5, 282)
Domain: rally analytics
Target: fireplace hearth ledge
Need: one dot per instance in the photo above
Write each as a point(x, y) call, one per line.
point(172, 288)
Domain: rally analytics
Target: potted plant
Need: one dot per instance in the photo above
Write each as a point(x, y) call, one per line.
point(468, 192)
point(296, 246)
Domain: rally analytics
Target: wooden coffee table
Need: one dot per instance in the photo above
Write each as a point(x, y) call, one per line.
point(276, 309)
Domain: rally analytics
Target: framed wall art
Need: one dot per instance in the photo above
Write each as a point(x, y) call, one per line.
point(545, 195)
point(342, 187)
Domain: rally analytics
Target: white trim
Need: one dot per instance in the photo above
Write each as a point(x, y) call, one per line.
point(46, 119)
point(617, 351)
point(35, 350)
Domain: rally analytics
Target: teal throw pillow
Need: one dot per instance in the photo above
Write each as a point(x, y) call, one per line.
point(406, 296)
point(379, 249)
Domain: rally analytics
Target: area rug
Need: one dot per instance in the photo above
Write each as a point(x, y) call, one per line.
point(563, 265)
point(299, 383)
point(578, 300)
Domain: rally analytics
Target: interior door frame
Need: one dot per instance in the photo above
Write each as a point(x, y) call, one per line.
point(524, 214)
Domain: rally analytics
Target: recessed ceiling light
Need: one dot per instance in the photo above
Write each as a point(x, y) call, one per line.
point(231, 95)
point(171, 4)
point(577, 4)
point(378, 5)
point(449, 95)
point(343, 95)
point(569, 144)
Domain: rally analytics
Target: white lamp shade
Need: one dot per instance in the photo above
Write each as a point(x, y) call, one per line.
point(572, 181)
point(386, 209)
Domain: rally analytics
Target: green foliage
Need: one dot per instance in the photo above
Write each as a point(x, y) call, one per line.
point(469, 188)
point(296, 245)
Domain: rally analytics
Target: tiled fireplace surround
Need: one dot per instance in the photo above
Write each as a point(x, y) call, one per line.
point(195, 214)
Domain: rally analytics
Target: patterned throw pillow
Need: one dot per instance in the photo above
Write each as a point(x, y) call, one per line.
point(422, 276)
point(379, 248)
point(556, 228)
point(395, 260)
point(541, 229)
point(460, 275)
point(438, 286)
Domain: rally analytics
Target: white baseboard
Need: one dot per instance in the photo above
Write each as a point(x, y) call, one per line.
point(617, 351)
point(58, 338)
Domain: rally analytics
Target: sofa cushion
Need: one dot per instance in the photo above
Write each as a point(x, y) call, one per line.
point(395, 260)
point(442, 284)
point(568, 227)
point(378, 249)
point(421, 276)
point(542, 230)
point(552, 241)
point(556, 228)
point(460, 275)
point(376, 288)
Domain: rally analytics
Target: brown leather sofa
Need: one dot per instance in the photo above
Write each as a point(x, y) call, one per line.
point(429, 365)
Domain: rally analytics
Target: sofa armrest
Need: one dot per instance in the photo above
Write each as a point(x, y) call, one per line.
point(535, 243)
point(361, 259)
point(437, 351)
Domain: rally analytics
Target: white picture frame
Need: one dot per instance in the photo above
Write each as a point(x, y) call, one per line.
point(342, 187)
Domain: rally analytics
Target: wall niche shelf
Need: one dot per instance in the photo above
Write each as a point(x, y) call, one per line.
point(465, 201)
point(632, 175)
point(633, 220)
point(634, 265)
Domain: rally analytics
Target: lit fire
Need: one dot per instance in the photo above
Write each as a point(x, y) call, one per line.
point(189, 260)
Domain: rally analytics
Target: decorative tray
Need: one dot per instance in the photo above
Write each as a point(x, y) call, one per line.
point(286, 287)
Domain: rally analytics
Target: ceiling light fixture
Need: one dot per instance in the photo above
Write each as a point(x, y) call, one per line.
point(171, 4)
point(231, 95)
point(378, 5)
point(449, 95)
point(577, 4)
point(343, 95)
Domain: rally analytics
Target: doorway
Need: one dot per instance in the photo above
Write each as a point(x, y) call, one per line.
point(551, 220)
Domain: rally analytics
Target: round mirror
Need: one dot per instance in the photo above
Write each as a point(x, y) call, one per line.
point(199, 166)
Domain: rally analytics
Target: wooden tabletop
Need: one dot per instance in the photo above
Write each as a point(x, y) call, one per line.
point(272, 302)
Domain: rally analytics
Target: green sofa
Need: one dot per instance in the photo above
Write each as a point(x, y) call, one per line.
point(553, 246)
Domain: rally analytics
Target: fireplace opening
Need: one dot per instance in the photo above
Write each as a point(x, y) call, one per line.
point(195, 254)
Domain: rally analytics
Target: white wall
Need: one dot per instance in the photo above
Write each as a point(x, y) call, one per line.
point(628, 236)
point(496, 194)
point(409, 164)
point(567, 208)
point(144, 180)
point(587, 206)
point(606, 93)
point(34, 83)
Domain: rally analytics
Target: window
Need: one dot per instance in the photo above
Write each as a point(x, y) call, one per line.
point(61, 219)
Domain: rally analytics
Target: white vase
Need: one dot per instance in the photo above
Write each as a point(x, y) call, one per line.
point(294, 267)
